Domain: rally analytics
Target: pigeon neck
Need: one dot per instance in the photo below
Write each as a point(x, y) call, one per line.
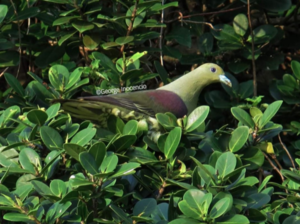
point(188, 87)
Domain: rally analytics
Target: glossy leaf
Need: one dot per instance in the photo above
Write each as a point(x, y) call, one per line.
point(269, 113)
point(238, 138)
point(240, 24)
point(88, 162)
point(3, 12)
point(196, 118)
point(38, 117)
point(242, 116)
point(225, 164)
point(51, 138)
point(172, 142)
point(13, 81)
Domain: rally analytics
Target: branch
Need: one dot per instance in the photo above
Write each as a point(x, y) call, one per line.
point(274, 167)
point(205, 14)
point(131, 23)
point(253, 54)
point(287, 151)
point(205, 23)
point(161, 34)
point(19, 35)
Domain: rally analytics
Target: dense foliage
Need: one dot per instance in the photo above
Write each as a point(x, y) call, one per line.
point(233, 161)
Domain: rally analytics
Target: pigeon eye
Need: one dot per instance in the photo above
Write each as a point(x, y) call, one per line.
point(213, 70)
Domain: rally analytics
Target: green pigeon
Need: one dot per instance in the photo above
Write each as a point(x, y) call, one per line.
point(179, 97)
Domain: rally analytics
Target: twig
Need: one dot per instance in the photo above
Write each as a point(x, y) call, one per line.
point(161, 34)
point(19, 35)
point(78, 9)
point(206, 14)
point(253, 56)
point(161, 190)
point(287, 151)
point(2, 73)
point(131, 23)
point(83, 49)
point(28, 26)
point(205, 23)
point(274, 167)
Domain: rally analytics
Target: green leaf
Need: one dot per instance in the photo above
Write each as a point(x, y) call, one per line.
point(275, 5)
point(238, 138)
point(38, 117)
point(258, 200)
point(14, 83)
point(124, 142)
point(124, 40)
point(242, 116)
point(226, 164)
point(51, 138)
point(145, 207)
point(219, 208)
point(74, 77)
point(58, 188)
point(191, 204)
point(196, 118)
point(162, 72)
point(26, 13)
point(17, 217)
point(82, 26)
point(59, 77)
point(166, 121)
point(49, 55)
point(185, 221)
point(172, 142)
point(105, 62)
point(296, 69)
point(109, 163)
point(64, 20)
point(125, 169)
point(138, 19)
point(206, 43)
point(74, 150)
point(263, 34)
point(91, 41)
point(88, 162)
point(235, 219)
point(66, 37)
point(135, 57)
point(130, 128)
point(240, 24)
point(254, 157)
point(141, 155)
point(84, 136)
point(52, 111)
point(246, 89)
point(181, 35)
point(3, 12)
point(9, 58)
point(238, 66)
point(98, 151)
point(227, 33)
point(120, 214)
point(30, 160)
point(269, 113)
point(41, 188)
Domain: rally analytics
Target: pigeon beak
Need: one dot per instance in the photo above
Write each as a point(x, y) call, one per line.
point(225, 80)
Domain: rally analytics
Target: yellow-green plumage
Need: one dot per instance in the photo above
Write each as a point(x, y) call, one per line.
point(179, 97)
